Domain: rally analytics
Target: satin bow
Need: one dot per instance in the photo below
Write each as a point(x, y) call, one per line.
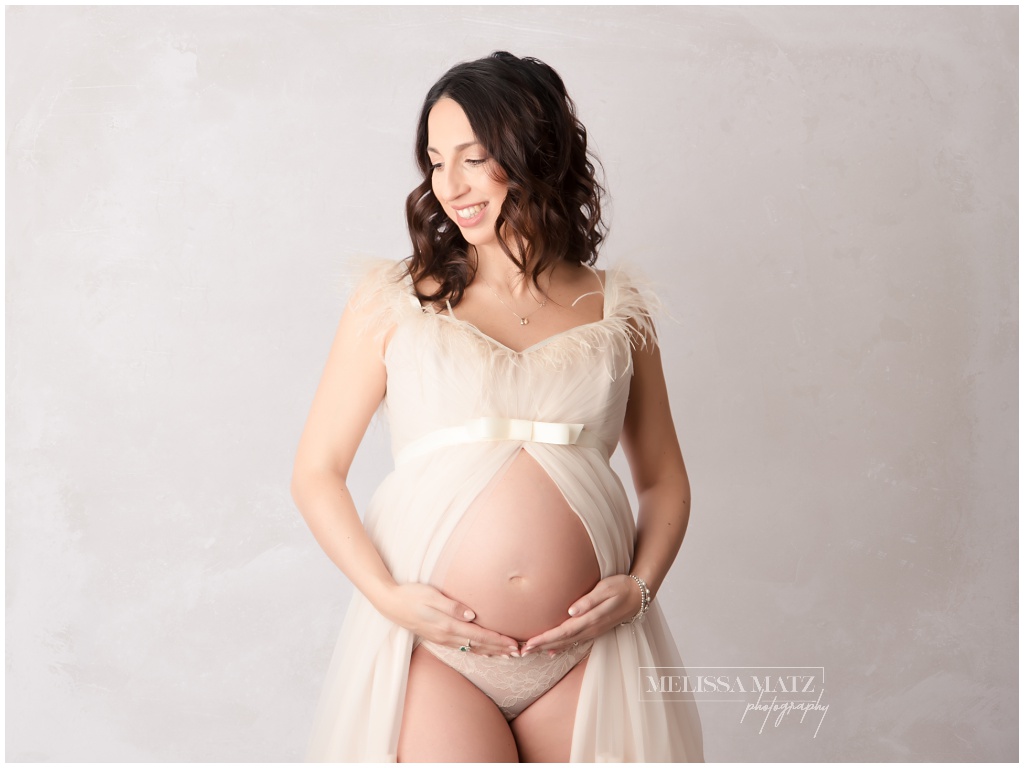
point(501, 428)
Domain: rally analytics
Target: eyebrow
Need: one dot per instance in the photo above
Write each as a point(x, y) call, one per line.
point(459, 148)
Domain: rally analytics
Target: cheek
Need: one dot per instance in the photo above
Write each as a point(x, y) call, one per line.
point(501, 192)
point(434, 183)
point(494, 188)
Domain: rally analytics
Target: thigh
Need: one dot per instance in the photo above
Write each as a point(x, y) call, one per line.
point(543, 730)
point(448, 719)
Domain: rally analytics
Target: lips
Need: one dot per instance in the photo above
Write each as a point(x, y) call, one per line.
point(470, 211)
point(470, 214)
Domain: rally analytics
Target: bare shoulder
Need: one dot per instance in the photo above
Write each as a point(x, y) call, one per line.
point(426, 286)
point(577, 279)
point(580, 272)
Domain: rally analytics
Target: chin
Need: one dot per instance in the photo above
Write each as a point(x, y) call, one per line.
point(480, 239)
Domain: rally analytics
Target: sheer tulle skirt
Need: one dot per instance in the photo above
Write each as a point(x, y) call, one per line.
point(410, 518)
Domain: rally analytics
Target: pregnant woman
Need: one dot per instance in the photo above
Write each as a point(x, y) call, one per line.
point(505, 606)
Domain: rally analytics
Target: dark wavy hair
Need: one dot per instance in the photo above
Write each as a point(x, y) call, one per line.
point(521, 113)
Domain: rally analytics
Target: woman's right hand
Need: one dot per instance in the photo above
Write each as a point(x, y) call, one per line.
point(428, 612)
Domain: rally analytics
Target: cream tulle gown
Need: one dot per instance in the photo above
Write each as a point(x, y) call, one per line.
point(442, 373)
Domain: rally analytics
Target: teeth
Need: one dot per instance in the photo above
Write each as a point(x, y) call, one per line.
point(469, 213)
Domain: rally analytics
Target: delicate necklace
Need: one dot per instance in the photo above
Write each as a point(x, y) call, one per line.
point(523, 319)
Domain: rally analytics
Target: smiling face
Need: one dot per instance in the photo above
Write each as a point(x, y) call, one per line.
point(463, 174)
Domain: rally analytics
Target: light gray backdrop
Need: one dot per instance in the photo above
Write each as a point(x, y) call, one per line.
point(828, 196)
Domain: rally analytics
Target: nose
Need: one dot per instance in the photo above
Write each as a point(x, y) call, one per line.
point(450, 183)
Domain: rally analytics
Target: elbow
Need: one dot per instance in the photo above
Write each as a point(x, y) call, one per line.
point(296, 488)
point(307, 482)
point(672, 480)
point(303, 478)
point(299, 487)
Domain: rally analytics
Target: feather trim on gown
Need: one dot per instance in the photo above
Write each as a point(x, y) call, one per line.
point(443, 372)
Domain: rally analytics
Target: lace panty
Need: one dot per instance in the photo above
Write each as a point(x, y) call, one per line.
point(514, 683)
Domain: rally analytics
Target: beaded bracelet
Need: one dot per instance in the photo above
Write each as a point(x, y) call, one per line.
point(645, 599)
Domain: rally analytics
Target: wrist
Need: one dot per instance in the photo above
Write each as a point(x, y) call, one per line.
point(382, 596)
point(645, 598)
point(651, 580)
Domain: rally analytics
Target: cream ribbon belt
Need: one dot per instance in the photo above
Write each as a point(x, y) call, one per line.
point(487, 428)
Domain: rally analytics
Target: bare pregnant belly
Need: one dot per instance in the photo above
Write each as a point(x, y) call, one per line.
point(520, 556)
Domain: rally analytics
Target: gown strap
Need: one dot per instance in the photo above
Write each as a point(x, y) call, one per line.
point(601, 292)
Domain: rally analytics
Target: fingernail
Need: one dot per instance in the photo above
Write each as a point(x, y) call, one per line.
point(572, 611)
point(469, 615)
point(551, 654)
point(527, 650)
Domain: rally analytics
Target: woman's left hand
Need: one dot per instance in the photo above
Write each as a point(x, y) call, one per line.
point(613, 601)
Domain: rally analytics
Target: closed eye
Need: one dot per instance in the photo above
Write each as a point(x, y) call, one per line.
point(469, 161)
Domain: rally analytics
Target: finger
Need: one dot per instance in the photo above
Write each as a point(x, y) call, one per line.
point(564, 635)
point(490, 648)
point(581, 606)
point(531, 645)
point(598, 595)
point(460, 611)
point(509, 646)
point(495, 642)
point(486, 642)
point(566, 644)
point(543, 641)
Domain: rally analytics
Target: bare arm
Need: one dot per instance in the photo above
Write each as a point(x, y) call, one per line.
point(350, 390)
point(659, 475)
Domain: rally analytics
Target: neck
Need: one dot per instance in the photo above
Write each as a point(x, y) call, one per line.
point(495, 268)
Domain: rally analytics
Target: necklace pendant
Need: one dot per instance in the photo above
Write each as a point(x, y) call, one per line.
point(523, 320)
